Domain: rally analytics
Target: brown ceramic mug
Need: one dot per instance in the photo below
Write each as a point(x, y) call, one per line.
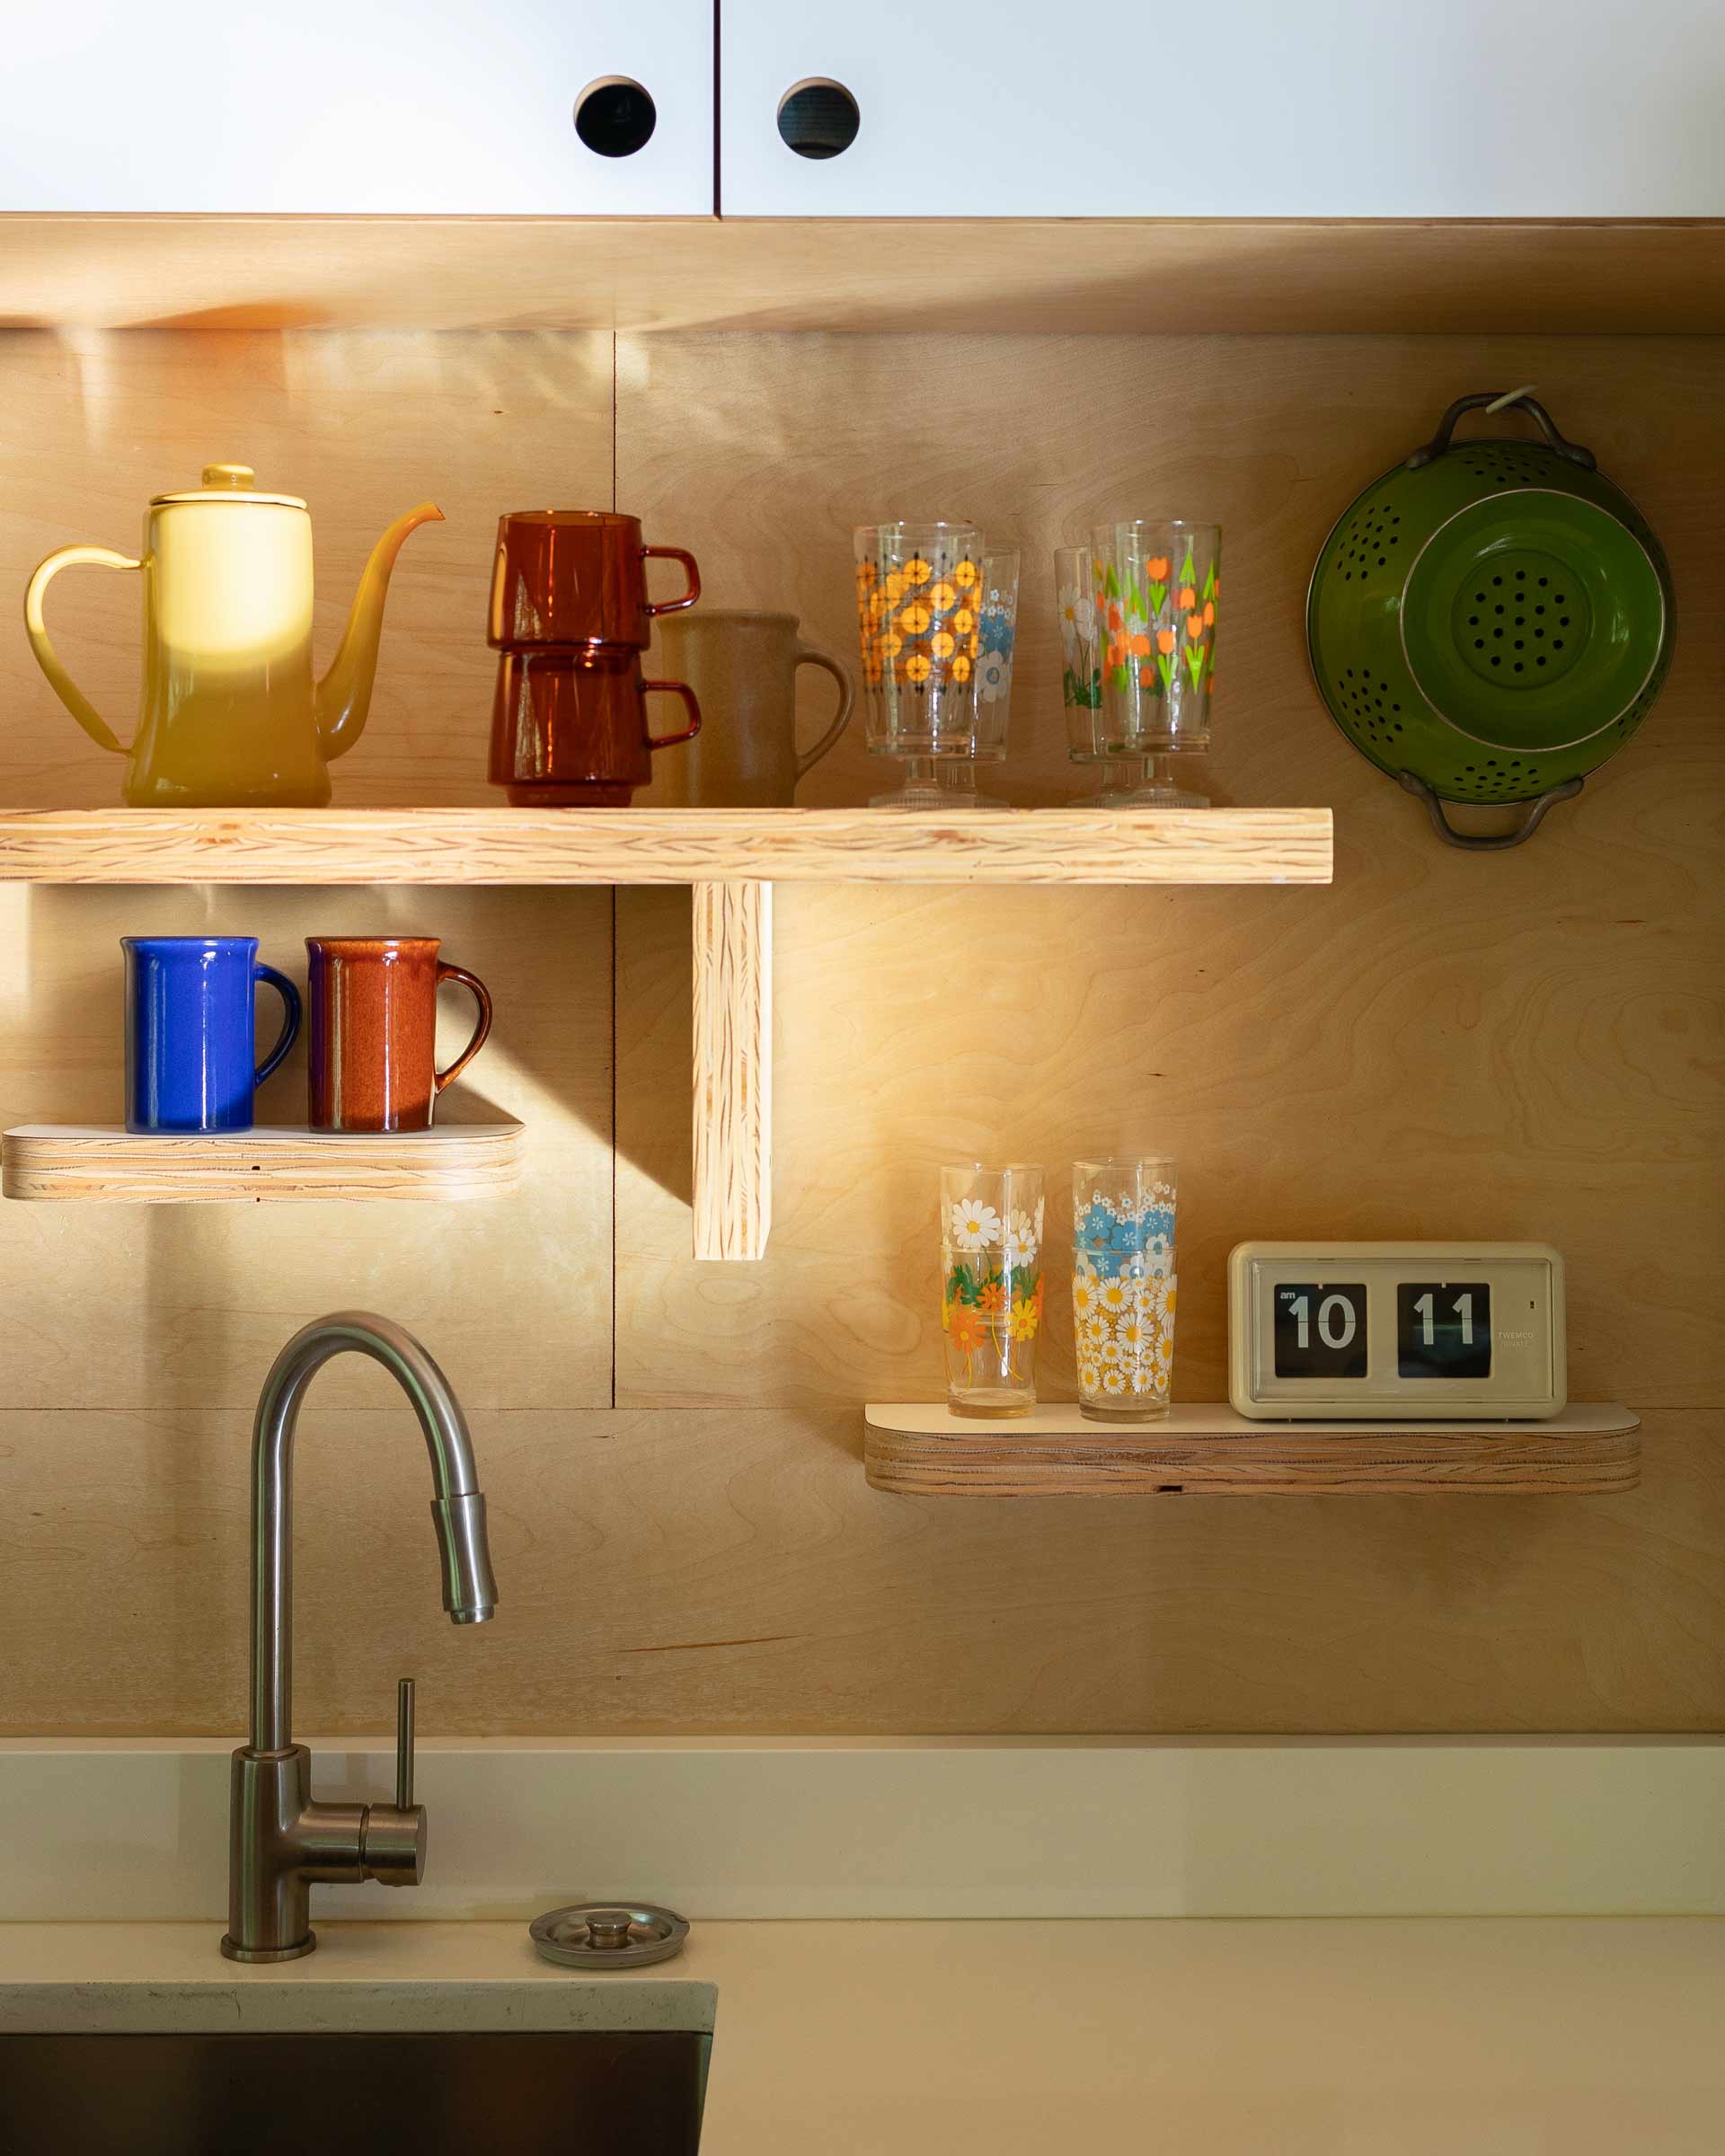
point(577, 577)
point(569, 728)
point(373, 1029)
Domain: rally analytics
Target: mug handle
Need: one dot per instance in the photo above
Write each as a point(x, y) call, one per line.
point(811, 655)
point(673, 553)
point(290, 1005)
point(673, 688)
point(482, 996)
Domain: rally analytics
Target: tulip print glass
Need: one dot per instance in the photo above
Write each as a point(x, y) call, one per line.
point(1125, 781)
point(1157, 588)
point(1123, 1286)
point(991, 1287)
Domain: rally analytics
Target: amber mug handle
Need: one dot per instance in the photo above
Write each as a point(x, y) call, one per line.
point(482, 996)
point(673, 553)
point(673, 688)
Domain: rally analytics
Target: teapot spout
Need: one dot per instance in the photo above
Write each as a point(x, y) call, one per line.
point(344, 694)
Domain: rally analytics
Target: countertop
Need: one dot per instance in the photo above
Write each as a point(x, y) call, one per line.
point(1504, 2037)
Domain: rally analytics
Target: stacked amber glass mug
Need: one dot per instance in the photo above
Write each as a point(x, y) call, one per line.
point(570, 616)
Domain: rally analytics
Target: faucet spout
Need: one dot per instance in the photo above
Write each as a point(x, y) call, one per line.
point(457, 1509)
point(282, 1841)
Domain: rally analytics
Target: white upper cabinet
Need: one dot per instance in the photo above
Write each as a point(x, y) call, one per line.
point(414, 107)
point(1229, 109)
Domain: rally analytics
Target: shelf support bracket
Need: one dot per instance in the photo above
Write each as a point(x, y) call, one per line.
point(732, 1190)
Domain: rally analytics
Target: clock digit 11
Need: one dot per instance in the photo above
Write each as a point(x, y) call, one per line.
point(1443, 1328)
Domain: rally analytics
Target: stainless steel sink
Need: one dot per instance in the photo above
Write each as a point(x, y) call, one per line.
point(594, 2092)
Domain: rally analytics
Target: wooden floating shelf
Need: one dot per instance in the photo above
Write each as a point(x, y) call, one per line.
point(92, 1165)
point(1058, 275)
point(505, 845)
point(730, 857)
point(923, 1451)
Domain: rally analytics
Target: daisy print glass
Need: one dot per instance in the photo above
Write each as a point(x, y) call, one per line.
point(1158, 586)
point(1123, 1286)
point(919, 625)
point(991, 1287)
point(1081, 676)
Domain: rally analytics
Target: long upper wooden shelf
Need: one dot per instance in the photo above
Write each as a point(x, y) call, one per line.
point(505, 845)
point(1059, 275)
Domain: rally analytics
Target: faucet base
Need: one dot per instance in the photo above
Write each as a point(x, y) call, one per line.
point(239, 1953)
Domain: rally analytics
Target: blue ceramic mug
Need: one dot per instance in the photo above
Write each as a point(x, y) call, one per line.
point(191, 1032)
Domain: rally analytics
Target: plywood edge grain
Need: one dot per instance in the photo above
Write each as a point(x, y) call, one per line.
point(731, 1193)
point(664, 846)
point(918, 1450)
point(93, 1164)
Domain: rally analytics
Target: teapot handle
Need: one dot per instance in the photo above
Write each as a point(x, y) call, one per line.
point(61, 682)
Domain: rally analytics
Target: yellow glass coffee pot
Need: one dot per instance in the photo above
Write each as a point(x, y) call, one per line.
point(232, 714)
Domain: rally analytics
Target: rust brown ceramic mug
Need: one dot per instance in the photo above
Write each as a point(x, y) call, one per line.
point(569, 728)
point(577, 577)
point(373, 1028)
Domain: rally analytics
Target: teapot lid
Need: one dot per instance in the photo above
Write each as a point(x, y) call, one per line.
point(228, 482)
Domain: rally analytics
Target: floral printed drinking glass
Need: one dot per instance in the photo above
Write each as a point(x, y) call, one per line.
point(1081, 677)
point(997, 627)
point(918, 589)
point(991, 1287)
point(1126, 781)
point(923, 591)
point(1157, 589)
point(1123, 1286)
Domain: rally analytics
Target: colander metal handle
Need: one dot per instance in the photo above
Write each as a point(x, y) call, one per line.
point(1535, 409)
point(1469, 842)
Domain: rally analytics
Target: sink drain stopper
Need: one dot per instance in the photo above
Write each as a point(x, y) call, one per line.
point(608, 1935)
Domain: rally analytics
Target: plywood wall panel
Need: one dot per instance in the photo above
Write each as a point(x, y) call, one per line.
point(1519, 1045)
point(166, 1306)
point(363, 425)
point(733, 1572)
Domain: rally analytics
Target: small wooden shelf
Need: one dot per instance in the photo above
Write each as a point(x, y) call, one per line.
point(916, 1450)
point(93, 1164)
point(504, 845)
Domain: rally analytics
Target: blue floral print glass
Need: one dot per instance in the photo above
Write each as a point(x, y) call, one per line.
point(997, 627)
point(1123, 1286)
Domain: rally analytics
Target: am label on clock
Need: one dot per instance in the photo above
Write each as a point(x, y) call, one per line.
point(1443, 1328)
point(1320, 1328)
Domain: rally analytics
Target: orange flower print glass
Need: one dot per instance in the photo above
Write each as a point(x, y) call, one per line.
point(916, 585)
point(1157, 585)
point(991, 1287)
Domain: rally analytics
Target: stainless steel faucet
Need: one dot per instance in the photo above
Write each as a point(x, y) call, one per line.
point(281, 1841)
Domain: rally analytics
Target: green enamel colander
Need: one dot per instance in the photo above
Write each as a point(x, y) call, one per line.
point(1490, 619)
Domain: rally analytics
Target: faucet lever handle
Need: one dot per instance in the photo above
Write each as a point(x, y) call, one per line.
point(404, 1745)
